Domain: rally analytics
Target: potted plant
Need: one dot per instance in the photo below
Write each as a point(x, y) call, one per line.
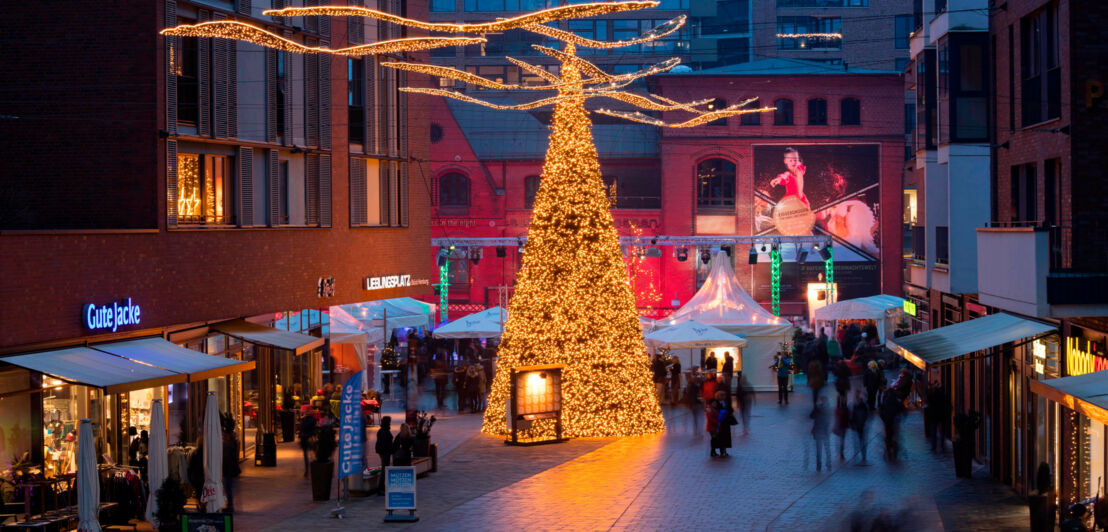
point(323, 468)
point(1041, 505)
point(171, 503)
point(423, 423)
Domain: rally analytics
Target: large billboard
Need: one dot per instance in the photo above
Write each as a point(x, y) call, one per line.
point(820, 189)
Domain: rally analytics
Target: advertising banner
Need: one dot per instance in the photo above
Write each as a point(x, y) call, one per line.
point(400, 488)
point(351, 429)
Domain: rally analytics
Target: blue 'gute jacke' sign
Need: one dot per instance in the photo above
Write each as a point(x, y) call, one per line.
point(111, 317)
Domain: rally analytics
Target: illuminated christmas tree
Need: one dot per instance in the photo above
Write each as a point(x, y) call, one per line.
point(573, 303)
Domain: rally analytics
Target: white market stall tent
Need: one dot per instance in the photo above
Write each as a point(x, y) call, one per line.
point(723, 304)
point(488, 323)
point(883, 309)
point(692, 335)
point(368, 325)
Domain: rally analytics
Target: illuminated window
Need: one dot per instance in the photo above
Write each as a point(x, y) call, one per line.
point(809, 33)
point(188, 80)
point(355, 99)
point(204, 189)
point(715, 184)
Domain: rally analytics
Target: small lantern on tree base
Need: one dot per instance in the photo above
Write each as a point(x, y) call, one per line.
point(536, 393)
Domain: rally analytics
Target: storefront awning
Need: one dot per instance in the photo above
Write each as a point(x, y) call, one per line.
point(1087, 394)
point(81, 365)
point(944, 343)
point(268, 336)
point(168, 355)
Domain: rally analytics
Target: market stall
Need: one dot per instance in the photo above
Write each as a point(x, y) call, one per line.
point(488, 323)
point(686, 339)
point(882, 310)
point(722, 303)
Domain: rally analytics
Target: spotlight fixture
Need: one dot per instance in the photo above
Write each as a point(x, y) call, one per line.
point(705, 256)
point(752, 257)
point(763, 247)
point(475, 255)
point(801, 254)
point(654, 241)
point(441, 259)
point(653, 251)
point(824, 252)
point(682, 254)
point(774, 245)
point(501, 252)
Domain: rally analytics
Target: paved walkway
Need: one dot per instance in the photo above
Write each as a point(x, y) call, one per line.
point(665, 481)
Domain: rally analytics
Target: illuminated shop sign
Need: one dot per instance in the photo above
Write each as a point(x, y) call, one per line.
point(1038, 349)
point(111, 317)
point(909, 308)
point(1082, 357)
point(392, 281)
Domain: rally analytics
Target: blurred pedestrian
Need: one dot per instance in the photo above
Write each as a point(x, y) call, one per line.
point(842, 378)
point(482, 386)
point(728, 373)
point(473, 390)
point(821, 433)
point(841, 426)
point(402, 446)
point(816, 378)
point(859, 416)
point(725, 419)
point(692, 397)
point(711, 422)
point(890, 417)
point(460, 386)
point(306, 431)
point(745, 400)
point(675, 380)
point(936, 417)
point(834, 349)
point(782, 366)
point(711, 365)
point(658, 367)
point(873, 380)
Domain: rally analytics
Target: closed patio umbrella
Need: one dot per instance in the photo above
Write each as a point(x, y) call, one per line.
point(88, 481)
point(157, 465)
point(213, 498)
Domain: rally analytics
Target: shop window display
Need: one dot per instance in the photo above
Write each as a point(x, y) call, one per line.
point(63, 406)
point(15, 420)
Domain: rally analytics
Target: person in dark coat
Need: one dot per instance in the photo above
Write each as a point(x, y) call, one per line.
point(724, 420)
point(821, 432)
point(402, 446)
point(745, 400)
point(710, 363)
point(460, 386)
point(841, 428)
point(816, 378)
point(711, 422)
point(383, 448)
point(936, 417)
point(890, 416)
point(842, 378)
point(873, 380)
point(859, 415)
point(308, 424)
point(675, 380)
point(728, 372)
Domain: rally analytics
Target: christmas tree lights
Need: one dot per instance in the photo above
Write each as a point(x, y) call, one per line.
point(573, 303)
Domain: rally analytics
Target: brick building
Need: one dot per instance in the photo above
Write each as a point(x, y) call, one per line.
point(709, 180)
point(203, 181)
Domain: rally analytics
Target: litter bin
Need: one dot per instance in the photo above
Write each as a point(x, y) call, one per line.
point(265, 452)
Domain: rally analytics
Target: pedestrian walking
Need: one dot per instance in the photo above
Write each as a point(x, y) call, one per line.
point(675, 380)
point(473, 391)
point(842, 378)
point(460, 386)
point(482, 386)
point(782, 367)
point(728, 373)
point(816, 378)
point(834, 349)
point(745, 400)
point(383, 448)
point(692, 397)
point(841, 426)
point(726, 420)
point(821, 426)
point(936, 417)
point(859, 416)
point(873, 380)
point(308, 423)
point(890, 417)
point(711, 423)
point(658, 367)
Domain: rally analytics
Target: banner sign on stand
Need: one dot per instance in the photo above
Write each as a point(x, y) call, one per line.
point(400, 492)
point(351, 427)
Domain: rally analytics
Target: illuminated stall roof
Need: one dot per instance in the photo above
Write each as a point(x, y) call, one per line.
point(945, 343)
point(168, 355)
point(268, 336)
point(721, 301)
point(488, 323)
point(1087, 394)
point(81, 365)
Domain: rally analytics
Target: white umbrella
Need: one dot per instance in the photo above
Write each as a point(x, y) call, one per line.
point(88, 481)
point(692, 335)
point(213, 498)
point(157, 464)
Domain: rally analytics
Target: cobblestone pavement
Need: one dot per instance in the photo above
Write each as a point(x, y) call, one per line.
point(668, 481)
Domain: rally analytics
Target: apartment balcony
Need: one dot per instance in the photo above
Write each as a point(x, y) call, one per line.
point(959, 15)
point(1020, 269)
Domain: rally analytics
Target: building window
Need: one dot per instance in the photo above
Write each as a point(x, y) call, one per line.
point(850, 110)
point(751, 119)
point(822, 3)
point(188, 81)
point(442, 6)
point(809, 33)
point(942, 245)
point(285, 192)
point(1024, 197)
point(783, 115)
point(505, 5)
point(919, 243)
point(715, 184)
point(204, 189)
point(717, 104)
point(817, 112)
point(282, 93)
point(1040, 72)
point(903, 31)
point(453, 190)
point(436, 133)
point(530, 190)
point(901, 63)
point(355, 99)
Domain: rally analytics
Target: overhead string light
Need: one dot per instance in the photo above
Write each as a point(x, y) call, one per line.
point(658, 32)
point(810, 35)
point(241, 31)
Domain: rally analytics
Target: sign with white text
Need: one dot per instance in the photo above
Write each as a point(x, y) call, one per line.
point(400, 488)
point(111, 317)
point(351, 428)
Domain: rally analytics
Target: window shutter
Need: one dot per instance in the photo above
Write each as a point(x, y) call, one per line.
point(311, 190)
point(402, 114)
point(232, 89)
point(383, 172)
point(324, 100)
point(355, 28)
point(325, 190)
point(394, 194)
point(324, 24)
point(391, 110)
point(172, 49)
point(204, 46)
point(358, 209)
point(270, 95)
point(278, 4)
point(273, 169)
point(244, 7)
point(171, 183)
point(311, 99)
point(221, 85)
point(245, 185)
point(371, 140)
point(403, 206)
